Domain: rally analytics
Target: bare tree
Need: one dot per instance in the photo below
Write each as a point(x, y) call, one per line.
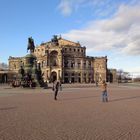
point(120, 73)
point(123, 76)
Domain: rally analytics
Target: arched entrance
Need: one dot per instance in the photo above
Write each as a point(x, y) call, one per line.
point(53, 76)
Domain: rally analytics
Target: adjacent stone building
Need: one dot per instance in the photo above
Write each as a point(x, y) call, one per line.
point(6, 75)
point(112, 75)
point(64, 60)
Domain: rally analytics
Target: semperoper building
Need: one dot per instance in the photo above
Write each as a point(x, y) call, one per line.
point(64, 60)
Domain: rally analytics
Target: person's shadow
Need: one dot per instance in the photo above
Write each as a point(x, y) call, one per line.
point(128, 98)
point(7, 108)
point(78, 98)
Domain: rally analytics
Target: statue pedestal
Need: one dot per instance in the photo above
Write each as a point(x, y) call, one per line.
point(32, 72)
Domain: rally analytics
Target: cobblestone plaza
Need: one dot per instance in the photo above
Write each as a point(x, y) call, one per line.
point(78, 114)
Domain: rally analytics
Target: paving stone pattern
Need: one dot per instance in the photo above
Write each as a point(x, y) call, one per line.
point(78, 114)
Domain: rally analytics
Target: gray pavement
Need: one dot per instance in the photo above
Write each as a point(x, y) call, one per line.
point(78, 114)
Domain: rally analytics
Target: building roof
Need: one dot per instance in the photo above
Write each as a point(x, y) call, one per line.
point(63, 42)
point(68, 42)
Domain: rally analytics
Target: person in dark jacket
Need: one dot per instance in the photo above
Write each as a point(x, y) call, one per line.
point(55, 89)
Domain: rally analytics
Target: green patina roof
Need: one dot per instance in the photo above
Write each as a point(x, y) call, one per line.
point(30, 55)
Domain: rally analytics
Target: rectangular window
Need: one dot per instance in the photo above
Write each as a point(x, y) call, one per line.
point(66, 74)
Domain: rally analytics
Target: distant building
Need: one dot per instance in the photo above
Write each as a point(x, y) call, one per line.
point(6, 75)
point(64, 60)
point(112, 75)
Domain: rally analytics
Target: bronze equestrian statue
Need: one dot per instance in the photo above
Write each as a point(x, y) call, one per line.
point(31, 45)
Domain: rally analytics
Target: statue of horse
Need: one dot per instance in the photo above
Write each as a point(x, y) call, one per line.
point(31, 45)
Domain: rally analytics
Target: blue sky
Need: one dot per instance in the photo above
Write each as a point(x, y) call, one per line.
point(105, 27)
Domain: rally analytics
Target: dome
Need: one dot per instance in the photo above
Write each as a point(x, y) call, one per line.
point(30, 56)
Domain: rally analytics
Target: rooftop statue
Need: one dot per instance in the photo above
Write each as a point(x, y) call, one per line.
point(31, 45)
point(55, 40)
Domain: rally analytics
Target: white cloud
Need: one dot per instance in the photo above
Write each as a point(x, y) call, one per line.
point(123, 19)
point(65, 7)
point(120, 33)
point(99, 7)
point(134, 70)
point(68, 6)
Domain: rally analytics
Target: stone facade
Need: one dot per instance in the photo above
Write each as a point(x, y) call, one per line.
point(7, 76)
point(65, 60)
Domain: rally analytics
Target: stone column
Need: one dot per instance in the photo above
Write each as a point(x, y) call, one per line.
point(81, 71)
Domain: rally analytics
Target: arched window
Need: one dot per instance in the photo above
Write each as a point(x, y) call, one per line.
point(54, 58)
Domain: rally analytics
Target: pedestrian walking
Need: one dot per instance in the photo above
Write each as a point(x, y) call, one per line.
point(55, 89)
point(104, 91)
point(60, 86)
